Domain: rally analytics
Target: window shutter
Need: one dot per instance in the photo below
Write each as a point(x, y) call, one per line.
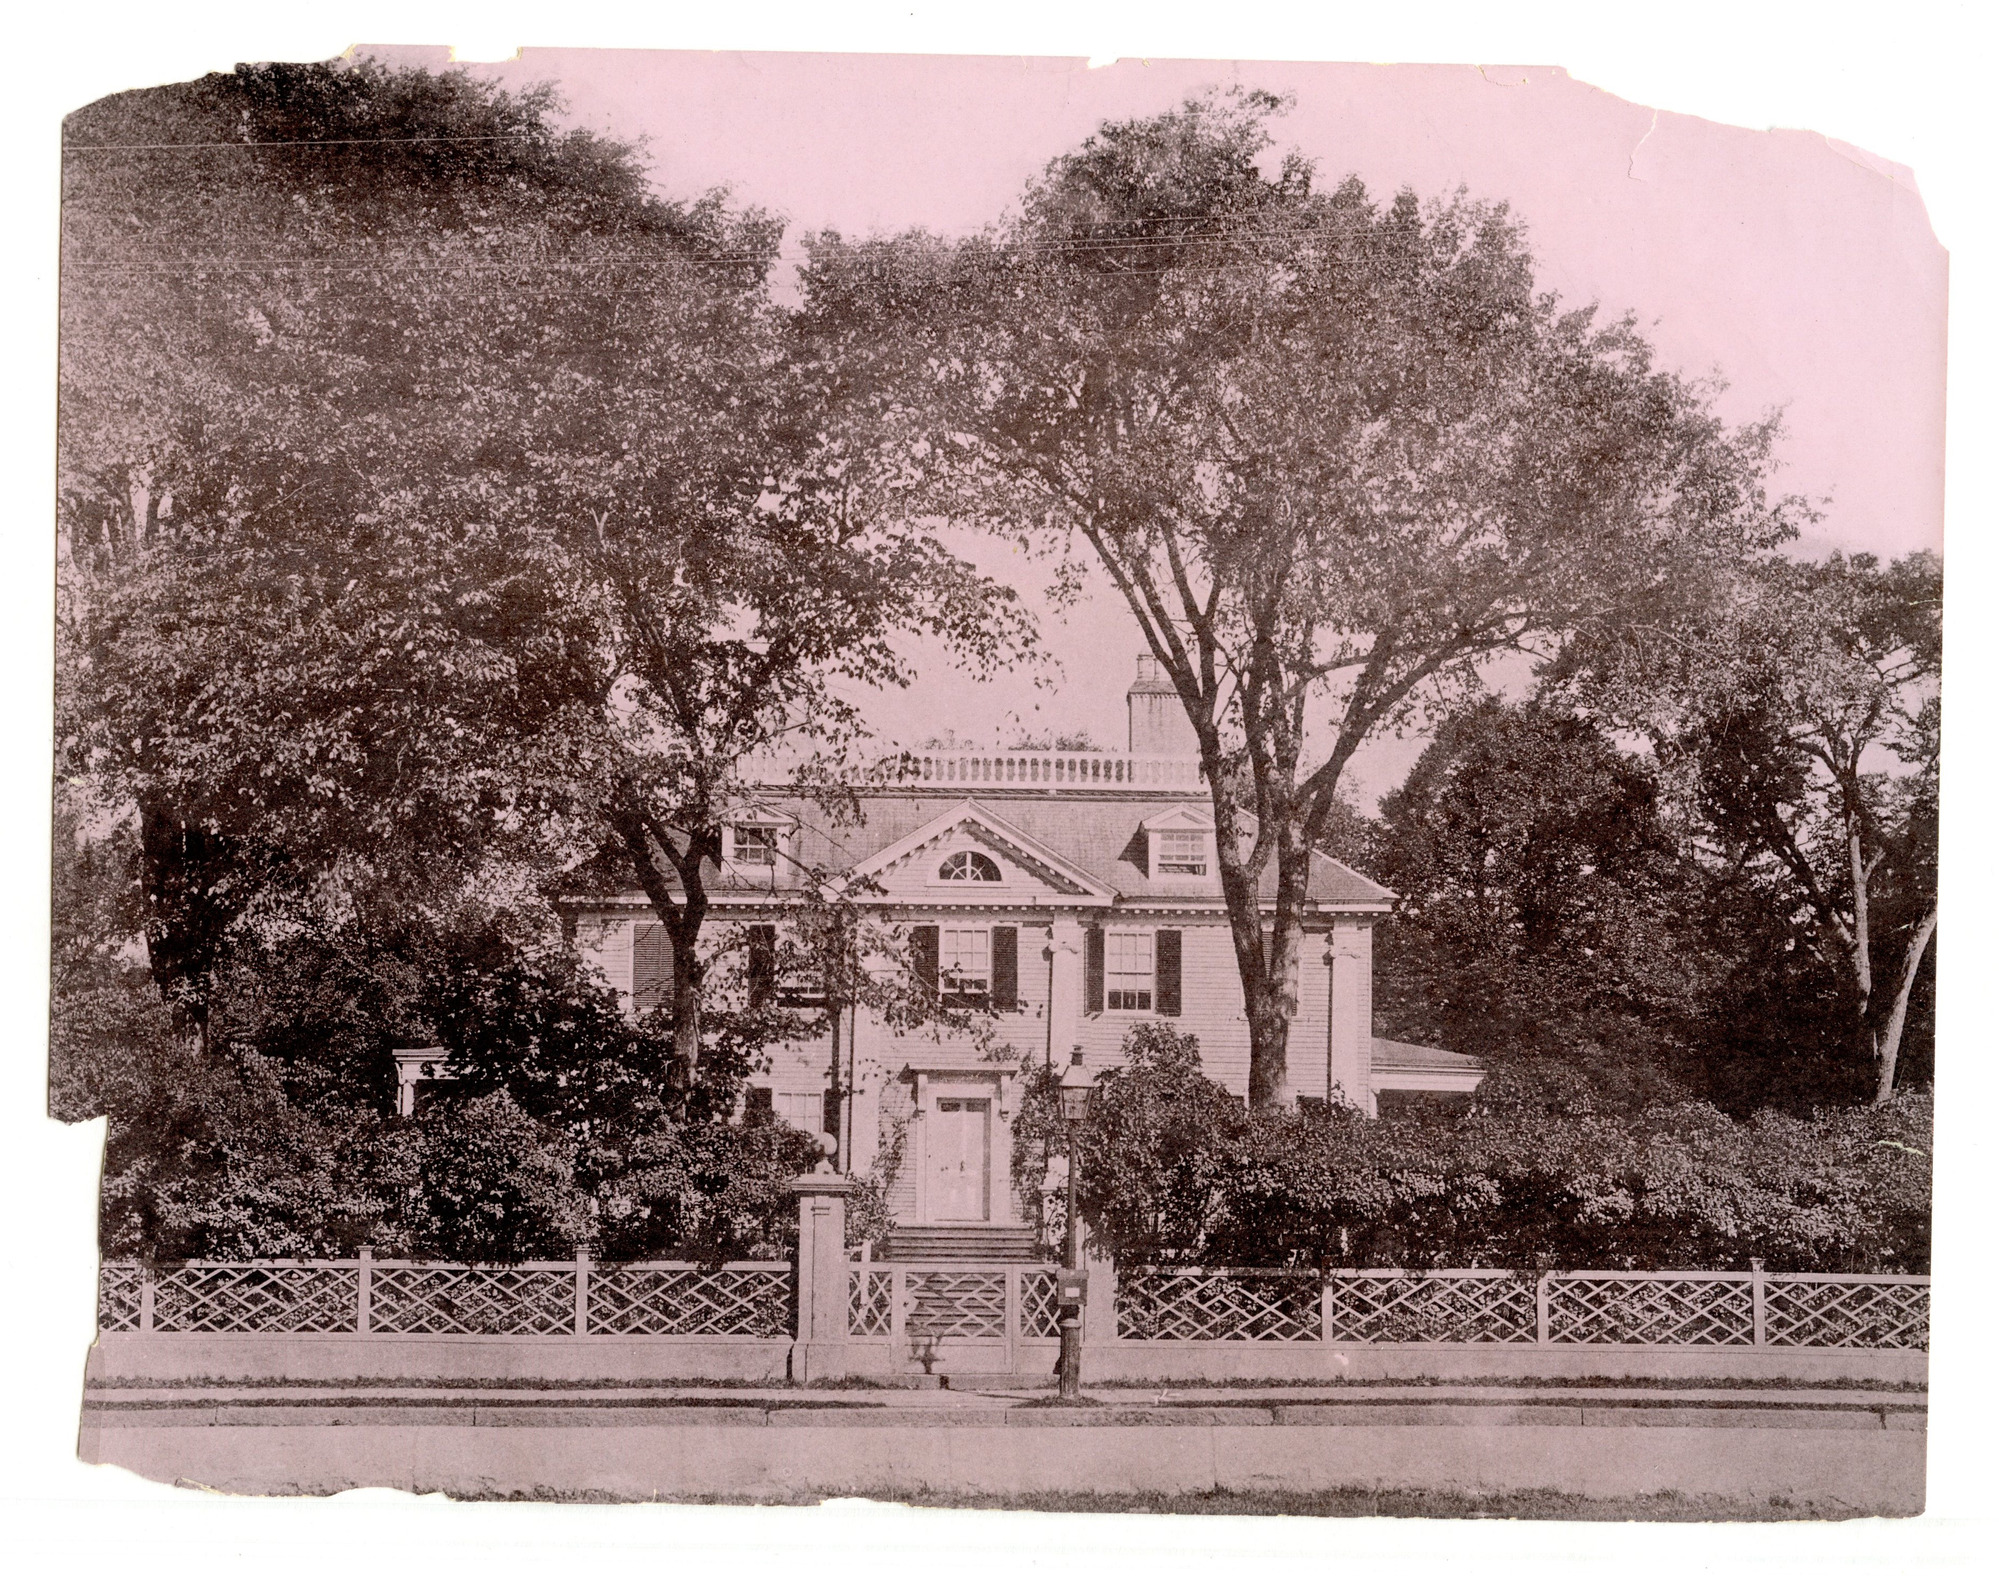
point(1006, 969)
point(1166, 966)
point(923, 955)
point(1093, 971)
point(652, 968)
point(762, 965)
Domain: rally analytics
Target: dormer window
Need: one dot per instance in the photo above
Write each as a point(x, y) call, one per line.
point(1180, 846)
point(1180, 852)
point(754, 845)
point(968, 866)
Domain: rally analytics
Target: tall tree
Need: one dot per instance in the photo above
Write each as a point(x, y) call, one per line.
point(1805, 716)
point(1549, 904)
point(266, 665)
point(513, 513)
point(1334, 455)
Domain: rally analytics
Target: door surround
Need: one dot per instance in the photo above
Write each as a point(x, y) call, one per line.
point(992, 1091)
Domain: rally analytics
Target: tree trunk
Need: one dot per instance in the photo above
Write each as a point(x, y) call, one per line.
point(1889, 1048)
point(185, 870)
point(1863, 956)
point(686, 1017)
point(1262, 995)
point(682, 915)
point(1286, 957)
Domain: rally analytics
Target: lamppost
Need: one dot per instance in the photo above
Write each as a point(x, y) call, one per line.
point(1073, 1285)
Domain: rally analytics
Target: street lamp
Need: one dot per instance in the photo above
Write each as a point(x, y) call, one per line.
point(1075, 1087)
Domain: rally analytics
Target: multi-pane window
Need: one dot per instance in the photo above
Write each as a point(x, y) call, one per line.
point(1180, 852)
point(1128, 970)
point(968, 866)
point(755, 846)
point(965, 961)
point(804, 1110)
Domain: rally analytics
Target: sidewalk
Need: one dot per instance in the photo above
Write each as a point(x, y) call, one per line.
point(1004, 1404)
point(1737, 1452)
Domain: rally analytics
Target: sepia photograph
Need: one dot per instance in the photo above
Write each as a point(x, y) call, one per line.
point(1163, 787)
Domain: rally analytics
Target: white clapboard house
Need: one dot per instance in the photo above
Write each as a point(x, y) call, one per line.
point(1067, 895)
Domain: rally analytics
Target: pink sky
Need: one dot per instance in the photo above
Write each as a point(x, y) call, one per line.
point(1803, 272)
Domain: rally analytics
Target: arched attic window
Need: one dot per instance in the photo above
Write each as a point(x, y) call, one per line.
point(968, 866)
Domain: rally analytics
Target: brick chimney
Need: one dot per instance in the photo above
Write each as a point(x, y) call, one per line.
point(1159, 725)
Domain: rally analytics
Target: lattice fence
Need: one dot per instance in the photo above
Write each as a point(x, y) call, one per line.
point(1676, 1311)
point(956, 1304)
point(431, 1299)
point(688, 1302)
point(1257, 1307)
point(753, 1300)
point(870, 1302)
point(483, 1301)
point(276, 1297)
point(119, 1298)
point(1040, 1305)
point(1847, 1313)
point(1430, 1307)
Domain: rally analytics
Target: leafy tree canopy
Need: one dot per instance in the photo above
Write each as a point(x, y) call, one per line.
point(1335, 454)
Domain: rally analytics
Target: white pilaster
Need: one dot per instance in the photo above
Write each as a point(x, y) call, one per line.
point(999, 1169)
point(864, 1100)
point(1064, 953)
point(1348, 960)
point(918, 1149)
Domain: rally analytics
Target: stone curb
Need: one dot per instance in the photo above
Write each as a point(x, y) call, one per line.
point(664, 1415)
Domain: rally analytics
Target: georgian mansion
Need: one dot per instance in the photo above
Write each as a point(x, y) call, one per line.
point(1070, 896)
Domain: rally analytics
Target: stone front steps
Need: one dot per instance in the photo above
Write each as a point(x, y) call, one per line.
point(975, 1243)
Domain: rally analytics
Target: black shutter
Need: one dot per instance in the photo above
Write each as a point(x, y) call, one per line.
point(757, 1105)
point(1093, 971)
point(1166, 965)
point(1006, 969)
point(923, 956)
point(762, 965)
point(652, 968)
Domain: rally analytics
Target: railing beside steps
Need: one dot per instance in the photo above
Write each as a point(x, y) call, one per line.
point(1751, 1309)
point(531, 1299)
point(921, 1304)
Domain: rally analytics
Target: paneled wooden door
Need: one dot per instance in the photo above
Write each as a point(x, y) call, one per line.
point(958, 1137)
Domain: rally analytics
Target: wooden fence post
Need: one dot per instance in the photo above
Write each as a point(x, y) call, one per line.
point(364, 1299)
point(1326, 1308)
point(1541, 1327)
point(145, 1296)
point(1758, 1332)
point(582, 1290)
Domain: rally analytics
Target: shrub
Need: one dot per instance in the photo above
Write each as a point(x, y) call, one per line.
point(1175, 1169)
point(488, 1182)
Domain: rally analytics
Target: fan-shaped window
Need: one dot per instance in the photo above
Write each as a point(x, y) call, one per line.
point(968, 866)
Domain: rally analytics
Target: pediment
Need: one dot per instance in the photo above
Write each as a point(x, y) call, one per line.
point(1185, 815)
point(911, 865)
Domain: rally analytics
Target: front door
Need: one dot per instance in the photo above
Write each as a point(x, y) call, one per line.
point(959, 1141)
